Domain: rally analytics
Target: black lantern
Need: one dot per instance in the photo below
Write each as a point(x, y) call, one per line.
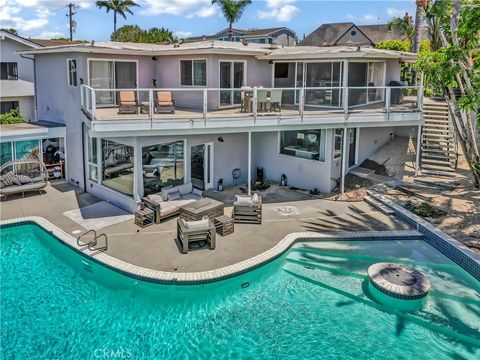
point(283, 180)
point(220, 185)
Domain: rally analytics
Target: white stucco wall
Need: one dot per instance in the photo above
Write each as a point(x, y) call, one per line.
point(25, 104)
point(8, 49)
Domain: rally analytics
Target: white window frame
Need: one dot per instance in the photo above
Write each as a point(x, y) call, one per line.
point(231, 61)
point(69, 73)
point(322, 147)
point(193, 73)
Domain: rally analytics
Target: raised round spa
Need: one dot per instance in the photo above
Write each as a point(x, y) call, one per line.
point(397, 285)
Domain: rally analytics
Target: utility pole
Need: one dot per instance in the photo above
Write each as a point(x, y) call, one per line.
point(72, 24)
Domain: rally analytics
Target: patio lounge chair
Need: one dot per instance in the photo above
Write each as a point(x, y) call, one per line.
point(127, 103)
point(22, 176)
point(165, 102)
point(247, 209)
point(191, 231)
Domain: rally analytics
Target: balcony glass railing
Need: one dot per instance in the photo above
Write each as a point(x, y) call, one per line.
point(247, 102)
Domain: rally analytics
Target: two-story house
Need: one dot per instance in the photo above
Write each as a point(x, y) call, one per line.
point(140, 117)
point(281, 36)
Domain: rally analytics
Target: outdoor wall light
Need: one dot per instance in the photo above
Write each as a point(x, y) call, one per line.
point(220, 139)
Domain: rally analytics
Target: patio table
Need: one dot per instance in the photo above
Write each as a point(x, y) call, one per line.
point(198, 209)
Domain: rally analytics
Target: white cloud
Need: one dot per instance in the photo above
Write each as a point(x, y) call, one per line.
point(182, 34)
point(396, 12)
point(13, 13)
point(367, 18)
point(279, 10)
point(50, 35)
point(186, 8)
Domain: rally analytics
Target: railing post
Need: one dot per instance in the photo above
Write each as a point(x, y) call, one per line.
point(302, 103)
point(82, 101)
point(87, 100)
point(205, 106)
point(345, 100)
point(388, 97)
point(255, 104)
point(150, 107)
point(94, 105)
point(420, 97)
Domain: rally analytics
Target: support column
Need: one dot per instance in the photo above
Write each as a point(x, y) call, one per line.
point(138, 171)
point(249, 163)
point(419, 143)
point(344, 160)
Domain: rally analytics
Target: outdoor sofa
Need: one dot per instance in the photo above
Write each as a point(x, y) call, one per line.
point(167, 202)
point(22, 176)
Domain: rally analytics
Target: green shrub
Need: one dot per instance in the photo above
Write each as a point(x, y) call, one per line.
point(12, 117)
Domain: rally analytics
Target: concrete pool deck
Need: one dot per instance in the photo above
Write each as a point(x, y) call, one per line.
point(155, 247)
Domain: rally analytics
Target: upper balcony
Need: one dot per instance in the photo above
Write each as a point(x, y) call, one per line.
point(230, 109)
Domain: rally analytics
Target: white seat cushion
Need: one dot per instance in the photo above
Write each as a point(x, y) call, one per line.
point(185, 189)
point(167, 208)
point(243, 200)
point(197, 225)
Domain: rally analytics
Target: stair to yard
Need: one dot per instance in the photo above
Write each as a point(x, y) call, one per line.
point(439, 156)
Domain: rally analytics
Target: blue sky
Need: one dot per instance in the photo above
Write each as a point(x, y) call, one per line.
point(47, 18)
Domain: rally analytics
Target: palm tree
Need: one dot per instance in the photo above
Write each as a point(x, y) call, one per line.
point(403, 25)
point(117, 6)
point(421, 5)
point(232, 11)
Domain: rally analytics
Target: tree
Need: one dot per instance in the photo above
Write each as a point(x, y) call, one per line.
point(11, 31)
point(117, 6)
point(232, 11)
point(403, 25)
point(420, 7)
point(133, 33)
point(454, 70)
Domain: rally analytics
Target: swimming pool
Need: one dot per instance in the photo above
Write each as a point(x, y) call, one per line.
point(308, 304)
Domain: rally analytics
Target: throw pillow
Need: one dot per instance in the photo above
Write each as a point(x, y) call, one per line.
point(16, 180)
point(155, 198)
point(255, 198)
point(7, 179)
point(24, 179)
point(174, 195)
point(197, 192)
point(38, 179)
point(243, 200)
point(197, 225)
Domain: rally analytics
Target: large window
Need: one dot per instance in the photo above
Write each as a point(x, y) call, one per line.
point(9, 71)
point(6, 152)
point(72, 72)
point(304, 144)
point(92, 159)
point(193, 72)
point(118, 166)
point(27, 150)
point(6, 106)
point(162, 165)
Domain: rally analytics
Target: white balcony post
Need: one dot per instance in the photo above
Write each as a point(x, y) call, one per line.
point(82, 101)
point(344, 160)
point(255, 103)
point(345, 100)
point(388, 97)
point(417, 155)
point(94, 104)
point(205, 105)
point(88, 100)
point(249, 172)
point(150, 104)
point(420, 98)
point(302, 102)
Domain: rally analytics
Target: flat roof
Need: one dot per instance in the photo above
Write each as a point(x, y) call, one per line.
point(261, 51)
point(16, 88)
point(31, 130)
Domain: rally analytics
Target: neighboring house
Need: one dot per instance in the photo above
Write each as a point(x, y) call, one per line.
point(309, 113)
point(16, 81)
point(278, 36)
point(339, 34)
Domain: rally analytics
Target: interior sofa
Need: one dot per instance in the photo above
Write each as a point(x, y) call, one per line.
point(167, 202)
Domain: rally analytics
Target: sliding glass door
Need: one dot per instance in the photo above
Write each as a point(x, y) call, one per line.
point(110, 74)
point(232, 76)
point(362, 75)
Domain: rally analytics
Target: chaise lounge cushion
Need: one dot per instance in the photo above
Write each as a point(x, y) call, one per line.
point(7, 179)
point(24, 179)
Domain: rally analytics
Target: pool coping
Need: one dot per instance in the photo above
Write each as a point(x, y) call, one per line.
point(209, 276)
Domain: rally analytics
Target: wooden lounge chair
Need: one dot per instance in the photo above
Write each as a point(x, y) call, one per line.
point(191, 231)
point(127, 103)
point(247, 209)
point(165, 102)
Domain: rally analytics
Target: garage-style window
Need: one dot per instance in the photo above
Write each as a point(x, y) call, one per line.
point(193, 72)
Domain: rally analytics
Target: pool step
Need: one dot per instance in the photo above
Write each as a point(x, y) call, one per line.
point(379, 206)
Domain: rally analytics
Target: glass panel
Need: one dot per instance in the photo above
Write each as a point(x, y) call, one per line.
point(125, 75)
point(6, 106)
point(101, 77)
point(118, 166)
point(225, 83)
point(27, 150)
point(357, 77)
point(197, 163)
point(5, 152)
point(337, 152)
point(162, 166)
point(199, 73)
point(303, 144)
point(93, 172)
point(72, 72)
point(237, 81)
point(54, 157)
point(186, 72)
point(92, 150)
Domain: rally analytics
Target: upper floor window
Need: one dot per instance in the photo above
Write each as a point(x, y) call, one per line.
point(9, 71)
point(72, 72)
point(193, 72)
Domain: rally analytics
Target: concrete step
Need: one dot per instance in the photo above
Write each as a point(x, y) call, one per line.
point(441, 163)
point(435, 106)
point(436, 168)
point(443, 127)
point(435, 136)
point(435, 118)
point(438, 156)
point(435, 131)
point(379, 206)
point(428, 172)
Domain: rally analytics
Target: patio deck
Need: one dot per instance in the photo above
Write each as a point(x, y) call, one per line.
point(155, 247)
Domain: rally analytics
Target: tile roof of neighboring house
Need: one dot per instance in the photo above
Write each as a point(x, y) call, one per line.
point(329, 34)
point(245, 33)
point(16, 88)
point(48, 42)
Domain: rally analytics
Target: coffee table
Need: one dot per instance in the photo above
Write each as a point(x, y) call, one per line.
point(200, 208)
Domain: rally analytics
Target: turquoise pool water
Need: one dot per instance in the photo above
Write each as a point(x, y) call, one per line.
point(308, 304)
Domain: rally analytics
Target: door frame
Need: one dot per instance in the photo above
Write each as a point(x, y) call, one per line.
point(357, 148)
point(208, 162)
point(231, 61)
